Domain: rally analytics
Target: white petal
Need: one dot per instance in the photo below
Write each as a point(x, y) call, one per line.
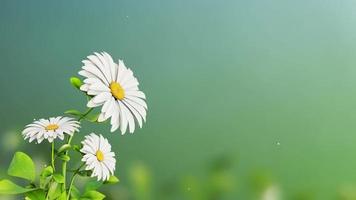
point(101, 98)
point(123, 120)
point(135, 93)
point(138, 101)
point(129, 116)
point(135, 113)
point(140, 109)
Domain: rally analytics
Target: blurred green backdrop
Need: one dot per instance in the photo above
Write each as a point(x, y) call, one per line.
point(247, 99)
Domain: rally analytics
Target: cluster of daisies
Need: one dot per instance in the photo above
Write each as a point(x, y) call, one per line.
point(113, 87)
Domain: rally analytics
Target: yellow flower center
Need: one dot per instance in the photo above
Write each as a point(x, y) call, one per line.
point(99, 155)
point(51, 127)
point(117, 91)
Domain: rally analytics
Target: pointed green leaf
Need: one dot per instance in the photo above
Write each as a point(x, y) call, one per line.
point(22, 166)
point(76, 82)
point(8, 187)
point(77, 148)
point(58, 178)
point(112, 180)
point(94, 195)
point(36, 195)
point(73, 112)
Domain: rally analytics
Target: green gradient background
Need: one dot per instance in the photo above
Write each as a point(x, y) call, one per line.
point(221, 77)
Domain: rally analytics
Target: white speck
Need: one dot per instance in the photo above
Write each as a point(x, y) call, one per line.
point(278, 143)
point(127, 16)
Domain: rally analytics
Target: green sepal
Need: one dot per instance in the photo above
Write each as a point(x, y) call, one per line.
point(22, 166)
point(58, 178)
point(63, 148)
point(36, 195)
point(94, 195)
point(112, 180)
point(8, 187)
point(76, 82)
point(65, 158)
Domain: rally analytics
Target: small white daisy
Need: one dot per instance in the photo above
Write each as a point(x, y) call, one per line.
point(98, 156)
point(115, 88)
point(50, 129)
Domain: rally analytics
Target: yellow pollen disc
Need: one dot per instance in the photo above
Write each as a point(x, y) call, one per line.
point(52, 127)
point(99, 155)
point(117, 91)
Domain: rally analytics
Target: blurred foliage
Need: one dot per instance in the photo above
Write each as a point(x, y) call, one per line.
point(217, 180)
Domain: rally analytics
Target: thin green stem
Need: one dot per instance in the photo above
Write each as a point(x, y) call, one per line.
point(72, 179)
point(64, 165)
point(52, 157)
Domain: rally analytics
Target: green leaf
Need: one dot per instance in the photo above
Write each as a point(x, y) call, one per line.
point(73, 112)
point(58, 178)
point(36, 195)
point(45, 176)
point(54, 190)
point(8, 187)
point(63, 148)
point(22, 166)
point(94, 195)
point(64, 158)
point(46, 172)
point(92, 117)
point(92, 185)
point(63, 196)
point(75, 194)
point(76, 82)
point(112, 180)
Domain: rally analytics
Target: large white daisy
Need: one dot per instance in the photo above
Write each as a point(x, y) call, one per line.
point(98, 156)
point(115, 88)
point(50, 129)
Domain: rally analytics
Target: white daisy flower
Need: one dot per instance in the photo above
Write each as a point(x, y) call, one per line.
point(115, 88)
point(50, 129)
point(98, 156)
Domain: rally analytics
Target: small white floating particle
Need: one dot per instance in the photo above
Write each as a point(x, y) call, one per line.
point(278, 143)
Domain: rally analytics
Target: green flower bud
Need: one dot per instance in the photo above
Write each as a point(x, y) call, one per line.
point(76, 82)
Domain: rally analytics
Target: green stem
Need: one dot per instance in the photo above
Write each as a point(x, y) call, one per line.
point(64, 165)
point(52, 157)
point(72, 179)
